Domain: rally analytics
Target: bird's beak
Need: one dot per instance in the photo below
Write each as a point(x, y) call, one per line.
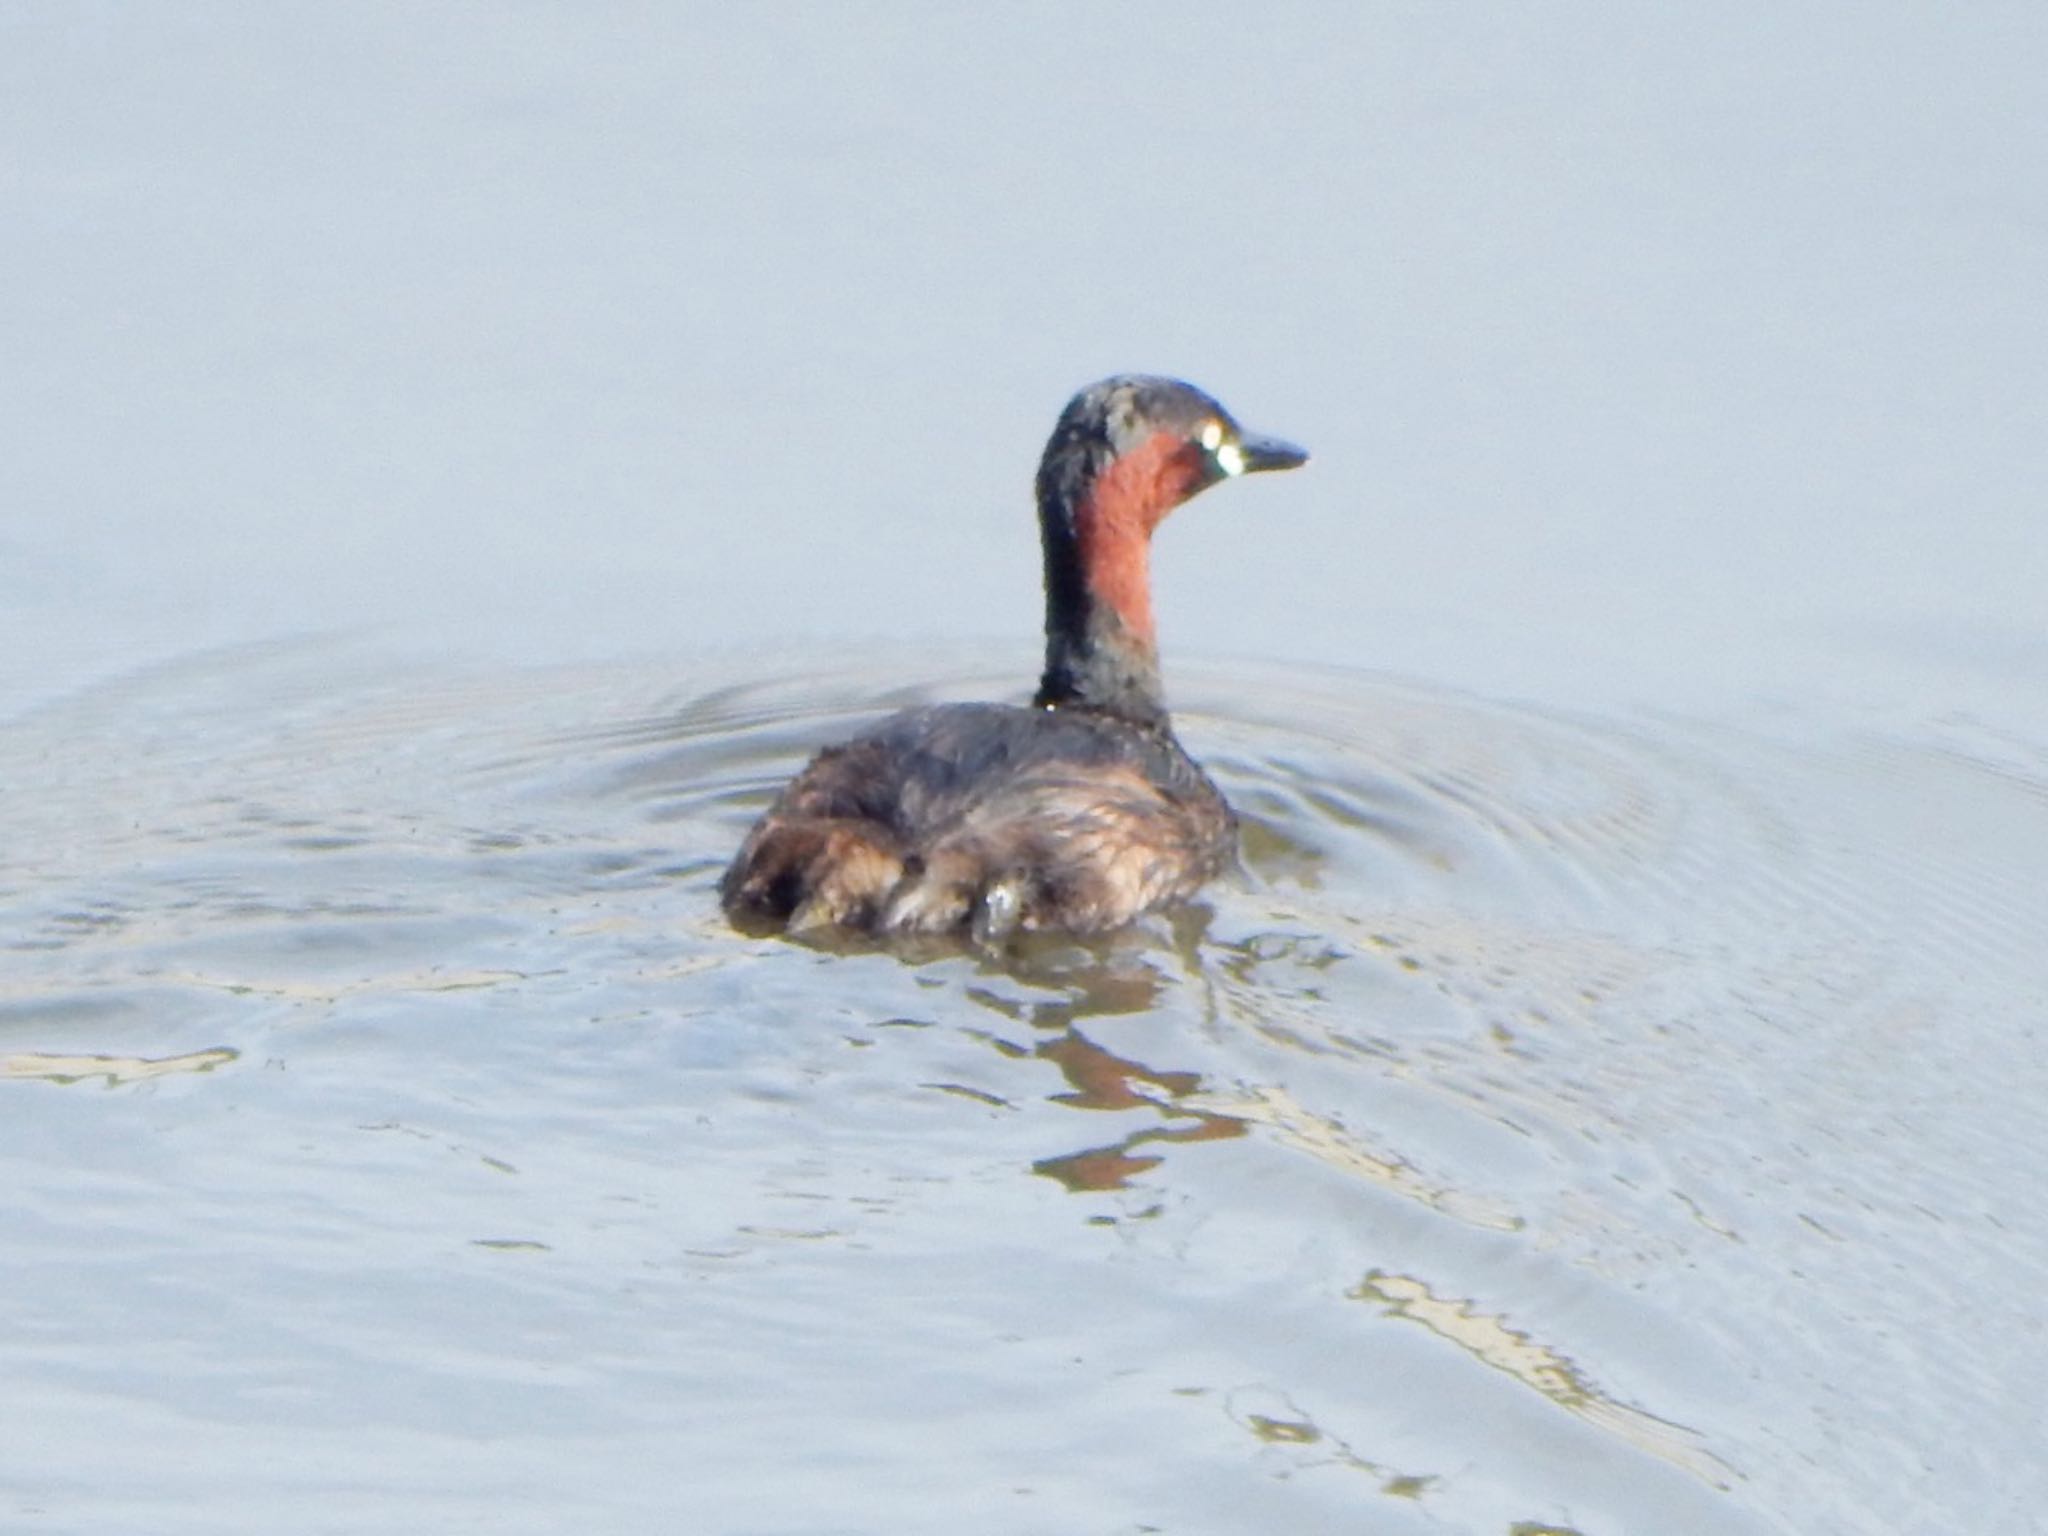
point(1269, 453)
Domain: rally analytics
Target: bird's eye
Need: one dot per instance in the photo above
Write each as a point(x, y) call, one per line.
point(1212, 436)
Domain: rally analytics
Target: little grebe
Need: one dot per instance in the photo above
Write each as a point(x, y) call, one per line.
point(1076, 814)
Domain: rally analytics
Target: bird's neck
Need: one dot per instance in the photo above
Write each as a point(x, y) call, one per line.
point(1101, 646)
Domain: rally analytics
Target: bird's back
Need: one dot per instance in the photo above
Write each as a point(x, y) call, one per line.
point(985, 815)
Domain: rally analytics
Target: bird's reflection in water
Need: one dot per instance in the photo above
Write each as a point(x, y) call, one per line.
point(1106, 980)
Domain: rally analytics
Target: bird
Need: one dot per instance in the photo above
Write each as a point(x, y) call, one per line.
point(1076, 814)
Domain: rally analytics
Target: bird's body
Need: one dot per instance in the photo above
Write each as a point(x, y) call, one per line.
point(986, 815)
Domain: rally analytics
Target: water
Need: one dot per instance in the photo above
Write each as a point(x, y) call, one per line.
point(1563, 1124)
point(458, 462)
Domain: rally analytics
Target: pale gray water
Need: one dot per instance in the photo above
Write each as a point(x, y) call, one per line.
point(1612, 1128)
point(458, 460)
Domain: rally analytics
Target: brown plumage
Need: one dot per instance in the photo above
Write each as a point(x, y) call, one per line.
point(1076, 814)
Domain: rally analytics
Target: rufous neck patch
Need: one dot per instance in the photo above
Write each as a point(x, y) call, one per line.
point(1113, 525)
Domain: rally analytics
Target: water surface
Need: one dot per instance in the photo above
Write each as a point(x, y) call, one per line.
point(1562, 1124)
point(456, 460)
